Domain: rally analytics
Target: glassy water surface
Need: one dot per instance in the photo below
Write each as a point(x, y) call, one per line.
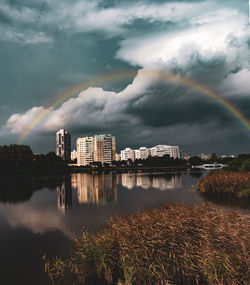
point(43, 220)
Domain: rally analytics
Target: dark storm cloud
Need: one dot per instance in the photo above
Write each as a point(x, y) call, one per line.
point(48, 46)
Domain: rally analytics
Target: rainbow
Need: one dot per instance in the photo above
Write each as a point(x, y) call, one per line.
point(166, 76)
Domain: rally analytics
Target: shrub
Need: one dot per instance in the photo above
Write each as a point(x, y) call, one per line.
point(224, 182)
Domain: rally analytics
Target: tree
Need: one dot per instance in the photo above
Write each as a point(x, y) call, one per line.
point(195, 160)
point(246, 165)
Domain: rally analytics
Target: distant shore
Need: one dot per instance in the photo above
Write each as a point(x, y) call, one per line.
point(89, 169)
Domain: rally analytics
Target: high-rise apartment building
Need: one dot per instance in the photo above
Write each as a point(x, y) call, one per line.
point(161, 150)
point(100, 148)
point(85, 150)
point(104, 148)
point(63, 144)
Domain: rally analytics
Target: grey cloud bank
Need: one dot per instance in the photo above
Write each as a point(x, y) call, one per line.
point(50, 47)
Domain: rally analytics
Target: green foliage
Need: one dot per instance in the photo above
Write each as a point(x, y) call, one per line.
point(15, 157)
point(245, 165)
point(235, 165)
point(242, 163)
point(177, 244)
point(20, 158)
point(195, 160)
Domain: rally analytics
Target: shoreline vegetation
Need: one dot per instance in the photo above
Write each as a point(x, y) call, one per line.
point(20, 159)
point(175, 244)
point(232, 185)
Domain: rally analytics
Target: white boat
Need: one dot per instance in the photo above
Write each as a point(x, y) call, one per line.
point(209, 166)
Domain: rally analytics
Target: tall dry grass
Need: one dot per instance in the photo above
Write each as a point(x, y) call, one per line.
point(176, 244)
point(224, 182)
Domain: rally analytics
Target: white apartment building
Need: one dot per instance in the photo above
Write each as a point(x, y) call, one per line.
point(142, 153)
point(73, 154)
point(127, 154)
point(85, 150)
point(161, 150)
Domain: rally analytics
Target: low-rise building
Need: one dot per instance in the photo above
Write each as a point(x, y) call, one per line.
point(161, 150)
point(73, 154)
point(142, 153)
point(127, 154)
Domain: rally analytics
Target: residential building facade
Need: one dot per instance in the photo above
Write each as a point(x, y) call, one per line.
point(100, 148)
point(104, 148)
point(142, 153)
point(63, 144)
point(127, 154)
point(161, 150)
point(73, 154)
point(85, 150)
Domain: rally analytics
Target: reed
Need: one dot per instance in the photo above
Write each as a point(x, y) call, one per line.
point(176, 244)
point(224, 182)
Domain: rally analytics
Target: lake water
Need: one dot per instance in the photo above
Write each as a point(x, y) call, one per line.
point(44, 220)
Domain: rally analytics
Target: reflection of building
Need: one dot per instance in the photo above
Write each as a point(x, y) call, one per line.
point(165, 183)
point(128, 180)
point(64, 195)
point(161, 150)
point(63, 144)
point(145, 181)
point(95, 189)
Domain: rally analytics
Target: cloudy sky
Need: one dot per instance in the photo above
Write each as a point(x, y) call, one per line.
point(49, 46)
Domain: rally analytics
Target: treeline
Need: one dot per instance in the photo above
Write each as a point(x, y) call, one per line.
point(152, 161)
point(241, 163)
point(21, 159)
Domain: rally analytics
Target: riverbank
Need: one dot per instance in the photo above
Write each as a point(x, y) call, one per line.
point(176, 244)
point(232, 184)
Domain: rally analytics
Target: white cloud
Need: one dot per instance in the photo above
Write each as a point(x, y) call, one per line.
point(237, 83)
point(209, 36)
point(88, 16)
point(93, 107)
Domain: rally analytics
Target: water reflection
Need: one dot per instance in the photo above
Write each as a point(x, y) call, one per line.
point(64, 195)
point(95, 189)
point(145, 181)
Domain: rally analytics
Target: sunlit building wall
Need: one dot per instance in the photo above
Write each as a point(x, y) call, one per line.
point(104, 148)
point(63, 144)
point(117, 157)
point(161, 150)
point(73, 154)
point(142, 153)
point(127, 154)
point(85, 150)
